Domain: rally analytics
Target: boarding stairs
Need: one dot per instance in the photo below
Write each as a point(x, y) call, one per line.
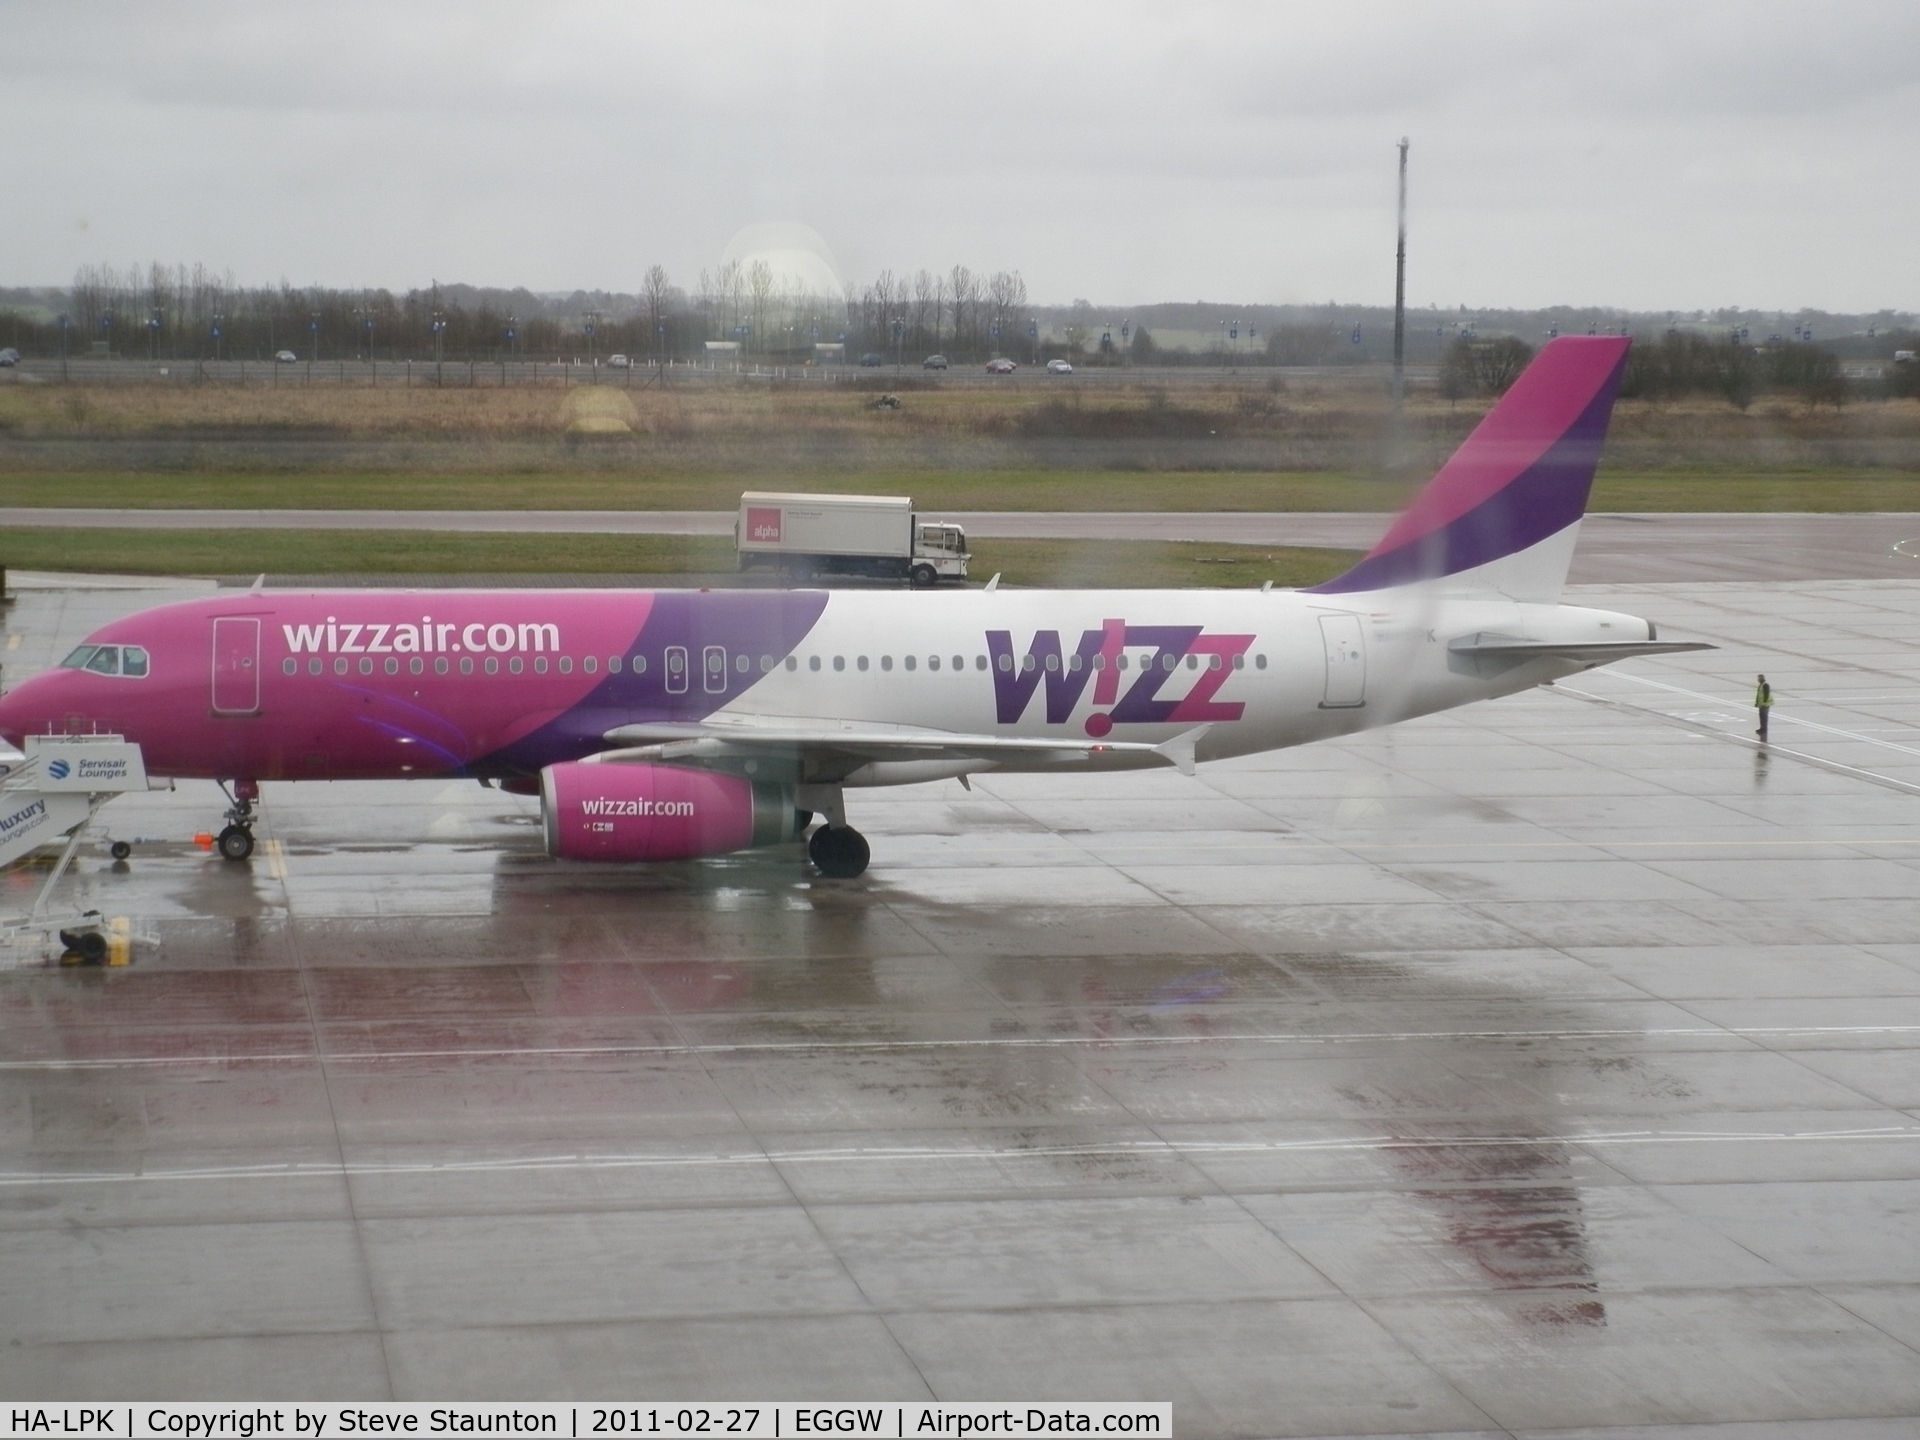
point(49, 794)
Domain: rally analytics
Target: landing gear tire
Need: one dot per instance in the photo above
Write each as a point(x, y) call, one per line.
point(839, 854)
point(922, 577)
point(120, 849)
point(236, 842)
point(89, 946)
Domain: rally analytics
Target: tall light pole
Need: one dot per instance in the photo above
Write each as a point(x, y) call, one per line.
point(65, 321)
point(439, 351)
point(313, 343)
point(1400, 322)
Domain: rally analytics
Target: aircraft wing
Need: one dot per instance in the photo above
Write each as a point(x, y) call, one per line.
point(827, 747)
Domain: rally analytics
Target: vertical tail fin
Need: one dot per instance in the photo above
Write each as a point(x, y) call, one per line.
point(1503, 513)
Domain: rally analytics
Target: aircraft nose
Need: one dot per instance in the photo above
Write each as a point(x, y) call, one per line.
point(23, 710)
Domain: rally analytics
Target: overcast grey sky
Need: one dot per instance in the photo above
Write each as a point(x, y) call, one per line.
point(1650, 155)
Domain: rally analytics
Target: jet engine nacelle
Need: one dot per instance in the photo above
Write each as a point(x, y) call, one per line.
point(623, 813)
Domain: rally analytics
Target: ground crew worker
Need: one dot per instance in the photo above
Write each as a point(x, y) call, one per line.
point(1762, 702)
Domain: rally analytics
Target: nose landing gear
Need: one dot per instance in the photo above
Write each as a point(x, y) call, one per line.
point(236, 841)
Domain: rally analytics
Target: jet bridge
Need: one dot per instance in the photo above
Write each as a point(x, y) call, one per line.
point(50, 796)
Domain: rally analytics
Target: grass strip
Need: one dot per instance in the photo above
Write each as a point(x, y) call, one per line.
point(1076, 563)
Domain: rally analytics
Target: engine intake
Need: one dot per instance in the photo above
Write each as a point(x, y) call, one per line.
point(624, 813)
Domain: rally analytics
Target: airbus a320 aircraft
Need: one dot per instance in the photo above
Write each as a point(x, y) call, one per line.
point(664, 725)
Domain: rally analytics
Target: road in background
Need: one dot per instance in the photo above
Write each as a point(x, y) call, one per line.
point(492, 374)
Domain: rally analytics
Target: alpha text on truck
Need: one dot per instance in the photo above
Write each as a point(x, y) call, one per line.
point(878, 535)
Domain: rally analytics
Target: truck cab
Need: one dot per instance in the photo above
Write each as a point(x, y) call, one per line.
point(939, 553)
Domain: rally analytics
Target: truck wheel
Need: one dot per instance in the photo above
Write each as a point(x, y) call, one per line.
point(922, 577)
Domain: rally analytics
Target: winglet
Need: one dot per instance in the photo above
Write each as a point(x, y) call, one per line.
point(259, 583)
point(1178, 751)
point(994, 583)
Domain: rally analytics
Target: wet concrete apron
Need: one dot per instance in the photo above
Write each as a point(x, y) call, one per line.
point(1550, 1064)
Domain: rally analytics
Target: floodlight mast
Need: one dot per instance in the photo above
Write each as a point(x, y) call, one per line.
point(1400, 321)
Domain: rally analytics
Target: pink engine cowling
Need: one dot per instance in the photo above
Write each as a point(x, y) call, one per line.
point(623, 813)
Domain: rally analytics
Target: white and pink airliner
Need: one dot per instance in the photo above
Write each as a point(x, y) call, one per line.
point(665, 725)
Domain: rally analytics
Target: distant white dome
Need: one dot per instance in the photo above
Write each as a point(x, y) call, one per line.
point(796, 254)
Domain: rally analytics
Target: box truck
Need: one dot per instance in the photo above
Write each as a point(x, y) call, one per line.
point(879, 535)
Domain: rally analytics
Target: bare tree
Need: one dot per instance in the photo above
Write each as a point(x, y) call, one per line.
point(1006, 297)
point(925, 312)
point(965, 304)
point(732, 282)
point(760, 286)
point(653, 293)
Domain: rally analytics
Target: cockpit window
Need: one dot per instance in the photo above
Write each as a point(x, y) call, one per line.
point(130, 660)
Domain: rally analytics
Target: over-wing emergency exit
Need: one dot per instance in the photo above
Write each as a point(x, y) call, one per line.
point(663, 725)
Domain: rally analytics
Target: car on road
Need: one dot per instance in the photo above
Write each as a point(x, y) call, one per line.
point(9, 356)
point(1059, 367)
point(1001, 366)
point(934, 362)
point(870, 360)
point(618, 362)
point(285, 357)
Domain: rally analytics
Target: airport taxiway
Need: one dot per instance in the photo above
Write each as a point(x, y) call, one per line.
point(1550, 1066)
point(1613, 547)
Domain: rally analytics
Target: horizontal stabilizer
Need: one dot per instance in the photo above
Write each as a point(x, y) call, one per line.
point(1491, 654)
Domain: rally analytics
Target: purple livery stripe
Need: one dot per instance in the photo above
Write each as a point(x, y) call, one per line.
point(1523, 474)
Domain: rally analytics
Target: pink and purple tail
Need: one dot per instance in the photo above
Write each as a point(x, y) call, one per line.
point(1521, 478)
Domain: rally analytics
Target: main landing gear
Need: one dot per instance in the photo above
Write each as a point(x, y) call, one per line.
point(236, 841)
point(839, 852)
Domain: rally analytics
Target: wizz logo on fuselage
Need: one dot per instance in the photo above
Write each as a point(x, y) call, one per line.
point(1102, 658)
